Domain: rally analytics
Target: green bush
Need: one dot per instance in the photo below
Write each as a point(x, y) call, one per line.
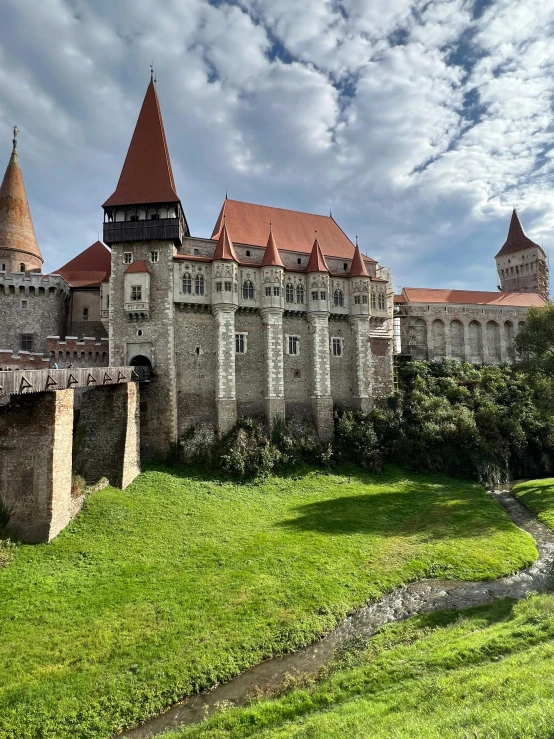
point(246, 452)
point(356, 440)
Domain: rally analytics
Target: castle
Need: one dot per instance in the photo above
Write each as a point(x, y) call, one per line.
point(276, 315)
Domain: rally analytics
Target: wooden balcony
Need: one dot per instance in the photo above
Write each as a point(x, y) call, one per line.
point(164, 229)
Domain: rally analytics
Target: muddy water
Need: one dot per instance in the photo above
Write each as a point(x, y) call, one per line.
point(420, 597)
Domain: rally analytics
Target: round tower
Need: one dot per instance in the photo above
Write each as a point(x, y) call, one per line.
point(19, 250)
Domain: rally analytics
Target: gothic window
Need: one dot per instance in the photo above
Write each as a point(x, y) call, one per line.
point(248, 290)
point(218, 287)
point(120, 216)
point(199, 285)
point(268, 292)
point(228, 287)
point(293, 345)
point(338, 299)
point(381, 301)
point(364, 299)
point(373, 300)
point(171, 213)
point(240, 343)
point(336, 346)
point(323, 295)
point(315, 294)
point(26, 342)
point(357, 299)
point(136, 292)
point(163, 212)
point(141, 214)
point(277, 291)
point(289, 293)
point(127, 257)
point(187, 283)
point(300, 293)
point(154, 256)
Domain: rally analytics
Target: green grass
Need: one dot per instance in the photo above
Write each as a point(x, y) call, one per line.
point(538, 496)
point(179, 581)
point(487, 672)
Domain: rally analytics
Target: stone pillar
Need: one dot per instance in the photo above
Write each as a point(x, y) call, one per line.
point(362, 357)
point(36, 435)
point(225, 395)
point(107, 436)
point(467, 344)
point(447, 337)
point(272, 319)
point(322, 402)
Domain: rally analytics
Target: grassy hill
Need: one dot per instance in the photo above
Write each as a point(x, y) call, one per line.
point(180, 581)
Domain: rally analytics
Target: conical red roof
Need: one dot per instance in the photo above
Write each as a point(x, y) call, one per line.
point(358, 268)
point(224, 248)
point(17, 232)
point(146, 176)
point(89, 268)
point(272, 258)
point(317, 262)
point(517, 240)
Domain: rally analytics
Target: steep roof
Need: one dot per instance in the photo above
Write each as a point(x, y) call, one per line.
point(358, 268)
point(469, 297)
point(17, 232)
point(272, 257)
point(146, 176)
point(293, 230)
point(89, 268)
point(224, 248)
point(517, 240)
point(138, 266)
point(316, 262)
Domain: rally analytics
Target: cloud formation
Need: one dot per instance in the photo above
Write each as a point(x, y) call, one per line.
point(419, 123)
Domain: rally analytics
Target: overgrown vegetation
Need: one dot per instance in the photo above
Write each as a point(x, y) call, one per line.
point(484, 672)
point(181, 581)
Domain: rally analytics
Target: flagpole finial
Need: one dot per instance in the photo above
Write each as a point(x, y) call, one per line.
point(14, 140)
point(152, 71)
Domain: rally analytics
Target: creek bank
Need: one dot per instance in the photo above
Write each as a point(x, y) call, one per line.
point(425, 596)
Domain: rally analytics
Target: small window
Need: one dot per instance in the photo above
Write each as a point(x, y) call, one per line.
point(248, 290)
point(228, 287)
point(373, 300)
point(240, 343)
point(133, 218)
point(315, 294)
point(154, 217)
point(196, 252)
point(289, 293)
point(345, 266)
point(277, 291)
point(136, 292)
point(364, 299)
point(323, 295)
point(268, 292)
point(336, 346)
point(22, 267)
point(139, 333)
point(23, 303)
point(218, 287)
point(338, 299)
point(357, 299)
point(247, 253)
point(3, 266)
point(199, 285)
point(300, 293)
point(127, 257)
point(154, 256)
point(381, 301)
point(85, 314)
point(294, 344)
point(26, 342)
point(299, 260)
point(187, 283)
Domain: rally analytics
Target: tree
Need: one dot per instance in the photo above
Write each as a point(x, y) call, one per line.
point(535, 340)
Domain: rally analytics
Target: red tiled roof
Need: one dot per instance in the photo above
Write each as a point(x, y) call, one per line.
point(138, 266)
point(293, 230)
point(358, 268)
point(517, 239)
point(316, 262)
point(146, 176)
point(89, 268)
point(17, 232)
point(271, 254)
point(469, 297)
point(224, 248)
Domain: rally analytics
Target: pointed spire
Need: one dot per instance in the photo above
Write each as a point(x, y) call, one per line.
point(146, 176)
point(272, 258)
point(316, 262)
point(358, 268)
point(17, 233)
point(517, 240)
point(224, 248)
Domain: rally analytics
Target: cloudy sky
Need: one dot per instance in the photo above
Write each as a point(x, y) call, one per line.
point(420, 124)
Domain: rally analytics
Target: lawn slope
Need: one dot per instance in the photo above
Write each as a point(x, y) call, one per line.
point(179, 581)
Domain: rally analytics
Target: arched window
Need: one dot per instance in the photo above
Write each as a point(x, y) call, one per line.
point(338, 298)
point(163, 213)
point(141, 214)
point(373, 300)
point(171, 213)
point(248, 290)
point(153, 214)
point(120, 216)
point(22, 267)
point(187, 283)
point(381, 301)
point(199, 285)
point(289, 293)
point(300, 293)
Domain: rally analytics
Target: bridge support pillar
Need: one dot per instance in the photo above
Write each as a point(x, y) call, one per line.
point(107, 434)
point(36, 433)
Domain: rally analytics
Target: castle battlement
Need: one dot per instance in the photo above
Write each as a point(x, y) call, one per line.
point(32, 283)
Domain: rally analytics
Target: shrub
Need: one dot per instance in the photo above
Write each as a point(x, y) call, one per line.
point(246, 452)
point(356, 440)
point(78, 486)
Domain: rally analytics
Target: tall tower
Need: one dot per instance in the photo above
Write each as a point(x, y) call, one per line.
point(143, 224)
point(521, 264)
point(19, 250)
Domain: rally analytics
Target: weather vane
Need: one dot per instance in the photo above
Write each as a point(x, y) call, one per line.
point(151, 71)
point(15, 132)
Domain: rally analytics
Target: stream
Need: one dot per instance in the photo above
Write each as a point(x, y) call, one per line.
point(424, 596)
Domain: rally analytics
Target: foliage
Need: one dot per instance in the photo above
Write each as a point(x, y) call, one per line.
point(78, 486)
point(535, 340)
point(246, 452)
point(356, 440)
point(485, 672)
point(182, 580)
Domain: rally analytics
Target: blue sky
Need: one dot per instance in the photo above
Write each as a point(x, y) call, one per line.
point(420, 124)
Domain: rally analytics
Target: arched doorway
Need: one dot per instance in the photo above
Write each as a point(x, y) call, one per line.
point(139, 360)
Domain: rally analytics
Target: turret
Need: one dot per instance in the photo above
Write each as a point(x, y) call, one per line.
point(19, 250)
point(225, 272)
point(273, 271)
point(521, 264)
point(359, 285)
point(318, 281)
point(145, 205)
